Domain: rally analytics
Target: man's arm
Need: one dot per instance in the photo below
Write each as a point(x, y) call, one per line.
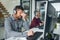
point(8, 29)
point(41, 24)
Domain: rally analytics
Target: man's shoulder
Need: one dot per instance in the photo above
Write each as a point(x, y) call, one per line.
point(8, 18)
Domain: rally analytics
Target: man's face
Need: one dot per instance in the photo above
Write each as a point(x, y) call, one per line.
point(38, 14)
point(19, 12)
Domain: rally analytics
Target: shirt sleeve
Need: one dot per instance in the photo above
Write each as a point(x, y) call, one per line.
point(9, 31)
point(40, 20)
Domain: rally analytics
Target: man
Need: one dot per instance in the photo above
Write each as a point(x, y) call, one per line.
point(15, 23)
point(36, 20)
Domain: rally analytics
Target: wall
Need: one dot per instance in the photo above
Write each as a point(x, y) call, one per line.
point(10, 4)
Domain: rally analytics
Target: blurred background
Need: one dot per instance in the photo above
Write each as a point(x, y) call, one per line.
point(51, 6)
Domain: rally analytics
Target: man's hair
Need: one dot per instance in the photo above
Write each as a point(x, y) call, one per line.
point(36, 12)
point(18, 7)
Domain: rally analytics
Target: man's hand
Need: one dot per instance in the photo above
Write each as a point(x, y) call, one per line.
point(30, 33)
point(42, 23)
point(24, 16)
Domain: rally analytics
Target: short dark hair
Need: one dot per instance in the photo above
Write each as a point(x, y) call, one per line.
point(18, 7)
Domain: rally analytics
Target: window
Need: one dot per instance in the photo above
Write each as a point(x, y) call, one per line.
point(27, 7)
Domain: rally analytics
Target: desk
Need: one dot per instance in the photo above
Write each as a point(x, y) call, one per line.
point(36, 30)
point(57, 30)
point(17, 38)
point(24, 38)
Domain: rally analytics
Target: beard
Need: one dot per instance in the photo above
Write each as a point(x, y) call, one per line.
point(19, 18)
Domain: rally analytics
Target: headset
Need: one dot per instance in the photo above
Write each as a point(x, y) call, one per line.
point(17, 7)
point(14, 10)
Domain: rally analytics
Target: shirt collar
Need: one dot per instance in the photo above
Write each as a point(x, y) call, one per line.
point(12, 17)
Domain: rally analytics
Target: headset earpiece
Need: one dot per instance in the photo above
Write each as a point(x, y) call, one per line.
point(14, 11)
